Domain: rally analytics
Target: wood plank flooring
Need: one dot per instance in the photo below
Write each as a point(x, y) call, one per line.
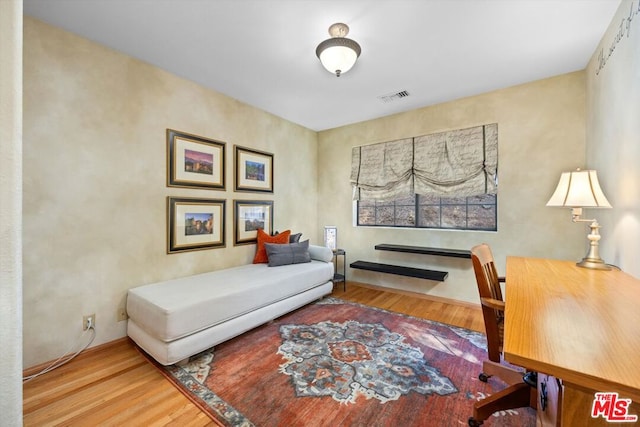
point(114, 385)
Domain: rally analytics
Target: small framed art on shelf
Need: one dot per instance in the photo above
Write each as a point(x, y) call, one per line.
point(331, 237)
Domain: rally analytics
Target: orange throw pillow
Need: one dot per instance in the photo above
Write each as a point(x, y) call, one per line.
point(261, 252)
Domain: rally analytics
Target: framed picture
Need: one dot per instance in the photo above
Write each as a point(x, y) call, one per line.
point(249, 215)
point(194, 161)
point(195, 224)
point(254, 170)
point(331, 237)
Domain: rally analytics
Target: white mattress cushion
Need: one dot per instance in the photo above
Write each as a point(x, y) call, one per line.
point(171, 352)
point(179, 307)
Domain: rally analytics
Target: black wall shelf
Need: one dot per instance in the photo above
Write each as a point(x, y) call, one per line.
point(454, 253)
point(400, 270)
point(420, 273)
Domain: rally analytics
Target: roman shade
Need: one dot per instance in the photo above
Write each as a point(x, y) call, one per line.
point(459, 163)
point(382, 171)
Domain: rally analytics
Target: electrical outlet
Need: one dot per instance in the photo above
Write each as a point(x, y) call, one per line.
point(88, 320)
point(122, 314)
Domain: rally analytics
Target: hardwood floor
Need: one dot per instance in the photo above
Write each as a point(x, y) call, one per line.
point(460, 314)
point(115, 385)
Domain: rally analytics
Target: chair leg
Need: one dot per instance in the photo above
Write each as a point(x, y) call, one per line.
point(514, 396)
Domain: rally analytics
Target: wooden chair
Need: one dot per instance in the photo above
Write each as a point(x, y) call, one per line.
point(518, 393)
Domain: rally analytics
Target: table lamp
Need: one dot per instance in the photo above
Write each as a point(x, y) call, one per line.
point(576, 190)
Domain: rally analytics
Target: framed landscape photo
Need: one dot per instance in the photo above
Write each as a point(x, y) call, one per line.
point(248, 216)
point(194, 161)
point(253, 170)
point(195, 224)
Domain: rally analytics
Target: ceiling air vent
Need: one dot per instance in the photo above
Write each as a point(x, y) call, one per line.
point(393, 96)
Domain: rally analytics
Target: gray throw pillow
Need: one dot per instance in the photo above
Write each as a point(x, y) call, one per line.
point(292, 253)
point(293, 238)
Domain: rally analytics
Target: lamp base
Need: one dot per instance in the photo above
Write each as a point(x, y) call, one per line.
point(595, 264)
point(593, 260)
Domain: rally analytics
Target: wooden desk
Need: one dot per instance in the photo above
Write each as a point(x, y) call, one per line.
point(578, 325)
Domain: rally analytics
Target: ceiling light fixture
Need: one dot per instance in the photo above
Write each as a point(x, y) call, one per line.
point(338, 54)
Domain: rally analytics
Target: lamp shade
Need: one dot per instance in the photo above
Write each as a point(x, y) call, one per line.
point(338, 54)
point(579, 189)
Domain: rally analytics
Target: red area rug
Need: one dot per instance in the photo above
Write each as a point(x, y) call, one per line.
point(336, 363)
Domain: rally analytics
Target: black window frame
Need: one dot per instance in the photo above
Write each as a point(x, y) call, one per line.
point(418, 202)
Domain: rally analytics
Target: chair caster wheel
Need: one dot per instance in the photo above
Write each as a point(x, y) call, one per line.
point(531, 378)
point(483, 377)
point(474, 423)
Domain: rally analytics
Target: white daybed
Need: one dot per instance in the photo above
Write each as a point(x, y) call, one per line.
point(178, 318)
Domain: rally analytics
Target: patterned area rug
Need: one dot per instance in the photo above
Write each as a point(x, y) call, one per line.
point(336, 363)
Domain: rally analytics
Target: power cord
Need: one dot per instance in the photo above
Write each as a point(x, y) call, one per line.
point(67, 357)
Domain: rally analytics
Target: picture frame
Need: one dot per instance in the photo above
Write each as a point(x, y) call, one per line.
point(249, 215)
point(194, 161)
point(331, 237)
point(195, 224)
point(253, 170)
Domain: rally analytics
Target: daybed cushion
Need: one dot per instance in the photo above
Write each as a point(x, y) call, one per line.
point(177, 308)
point(168, 353)
point(321, 253)
point(290, 253)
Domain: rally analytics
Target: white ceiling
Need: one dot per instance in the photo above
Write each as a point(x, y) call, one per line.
point(262, 52)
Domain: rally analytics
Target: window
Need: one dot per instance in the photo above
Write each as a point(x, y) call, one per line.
point(456, 213)
point(445, 180)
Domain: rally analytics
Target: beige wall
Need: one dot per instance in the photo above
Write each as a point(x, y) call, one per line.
point(613, 135)
point(95, 182)
point(11, 212)
point(540, 133)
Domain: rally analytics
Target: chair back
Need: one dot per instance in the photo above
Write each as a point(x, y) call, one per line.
point(490, 298)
